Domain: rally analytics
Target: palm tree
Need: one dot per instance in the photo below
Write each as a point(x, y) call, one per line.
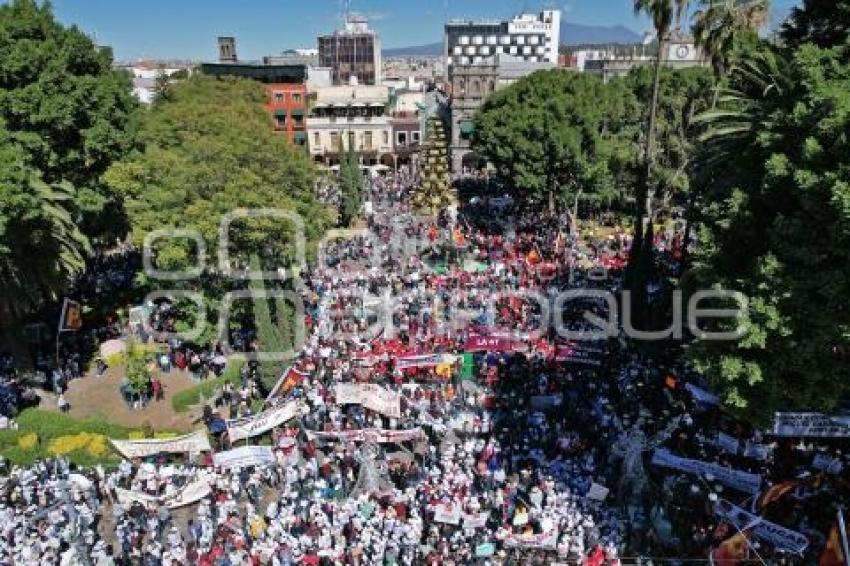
point(42, 247)
point(719, 22)
point(663, 14)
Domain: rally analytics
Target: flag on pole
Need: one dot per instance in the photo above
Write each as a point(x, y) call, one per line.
point(71, 319)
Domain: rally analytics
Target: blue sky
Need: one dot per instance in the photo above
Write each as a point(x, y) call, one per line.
point(188, 28)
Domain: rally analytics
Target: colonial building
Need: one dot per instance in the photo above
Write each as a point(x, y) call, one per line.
point(531, 37)
point(470, 85)
point(343, 117)
point(353, 53)
point(680, 53)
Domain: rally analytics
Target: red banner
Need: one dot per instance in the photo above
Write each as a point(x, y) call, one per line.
point(476, 343)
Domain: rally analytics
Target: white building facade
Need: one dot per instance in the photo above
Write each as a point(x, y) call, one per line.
point(533, 38)
point(343, 117)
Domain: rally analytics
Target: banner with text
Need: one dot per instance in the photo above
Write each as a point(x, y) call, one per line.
point(193, 443)
point(814, 425)
point(247, 427)
point(376, 435)
point(742, 481)
point(776, 535)
point(244, 456)
point(373, 397)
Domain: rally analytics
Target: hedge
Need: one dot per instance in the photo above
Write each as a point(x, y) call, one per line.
point(182, 401)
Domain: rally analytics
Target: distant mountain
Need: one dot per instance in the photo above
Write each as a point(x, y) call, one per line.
point(578, 34)
point(571, 34)
point(430, 50)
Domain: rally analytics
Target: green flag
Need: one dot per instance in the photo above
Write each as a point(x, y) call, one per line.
point(468, 369)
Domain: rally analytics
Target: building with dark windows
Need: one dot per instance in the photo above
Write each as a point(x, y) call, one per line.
point(353, 53)
point(286, 86)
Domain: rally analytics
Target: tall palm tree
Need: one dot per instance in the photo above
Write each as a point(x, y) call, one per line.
point(42, 246)
point(664, 13)
point(719, 22)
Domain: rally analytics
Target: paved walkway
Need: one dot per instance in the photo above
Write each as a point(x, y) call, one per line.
point(93, 396)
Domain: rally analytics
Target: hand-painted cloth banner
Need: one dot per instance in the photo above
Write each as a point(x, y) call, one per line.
point(194, 442)
point(373, 397)
point(545, 541)
point(815, 425)
point(778, 536)
point(424, 361)
point(377, 435)
point(247, 427)
point(478, 343)
point(742, 481)
point(244, 456)
point(190, 493)
point(574, 355)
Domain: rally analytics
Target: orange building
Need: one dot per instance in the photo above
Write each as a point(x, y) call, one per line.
point(287, 107)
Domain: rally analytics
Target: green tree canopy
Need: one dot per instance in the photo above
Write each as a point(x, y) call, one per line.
point(209, 150)
point(826, 23)
point(66, 107)
point(546, 133)
point(351, 186)
point(778, 230)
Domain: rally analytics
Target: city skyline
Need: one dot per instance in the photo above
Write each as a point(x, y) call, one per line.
point(187, 29)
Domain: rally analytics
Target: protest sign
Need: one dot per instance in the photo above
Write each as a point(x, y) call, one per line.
point(476, 521)
point(191, 493)
point(247, 427)
point(778, 536)
point(597, 492)
point(191, 443)
point(808, 425)
point(376, 435)
point(447, 514)
point(244, 456)
point(485, 549)
point(423, 361)
point(543, 541)
point(742, 481)
point(756, 451)
point(371, 396)
point(478, 343)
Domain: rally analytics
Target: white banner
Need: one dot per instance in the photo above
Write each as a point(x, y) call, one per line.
point(377, 435)
point(190, 493)
point(244, 456)
point(545, 541)
point(373, 397)
point(449, 515)
point(477, 521)
point(742, 481)
point(239, 429)
point(778, 536)
point(193, 492)
point(814, 425)
point(193, 443)
point(427, 360)
point(597, 492)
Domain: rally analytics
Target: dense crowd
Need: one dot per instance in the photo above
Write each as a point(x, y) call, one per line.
point(530, 448)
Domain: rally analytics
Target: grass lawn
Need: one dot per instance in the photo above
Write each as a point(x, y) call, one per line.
point(203, 391)
point(45, 434)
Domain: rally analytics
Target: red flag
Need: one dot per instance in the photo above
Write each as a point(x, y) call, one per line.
point(833, 553)
point(775, 493)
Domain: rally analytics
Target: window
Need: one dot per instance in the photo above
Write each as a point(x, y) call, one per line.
point(351, 143)
point(492, 40)
point(335, 141)
point(367, 140)
point(317, 140)
point(386, 138)
point(401, 138)
point(520, 40)
point(278, 96)
point(415, 137)
point(296, 97)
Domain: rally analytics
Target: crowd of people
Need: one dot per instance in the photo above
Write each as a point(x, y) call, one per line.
point(508, 442)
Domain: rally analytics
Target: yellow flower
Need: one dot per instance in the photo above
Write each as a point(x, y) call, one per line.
point(94, 444)
point(28, 441)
